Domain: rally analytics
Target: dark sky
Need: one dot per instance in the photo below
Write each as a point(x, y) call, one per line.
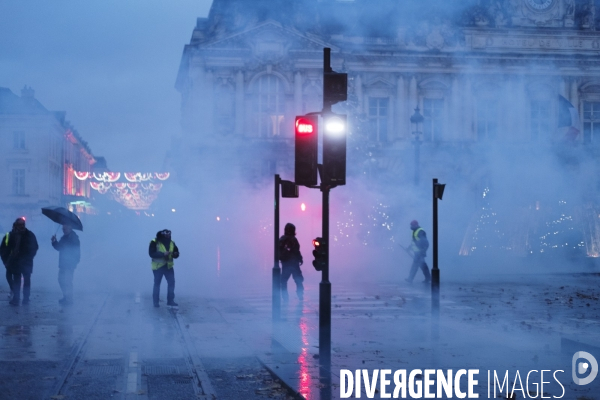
point(110, 64)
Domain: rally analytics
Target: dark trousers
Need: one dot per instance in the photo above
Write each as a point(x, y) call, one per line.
point(16, 286)
point(287, 270)
point(9, 279)
point(65, 280)
point(169, 275)
point(419, 262)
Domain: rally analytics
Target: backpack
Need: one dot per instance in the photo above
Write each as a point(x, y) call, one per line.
point(285, 249)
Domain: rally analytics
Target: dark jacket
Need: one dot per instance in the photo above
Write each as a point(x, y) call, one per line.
point(153, 253)
point(289, 250)
point(69, 251)
point(19, 258)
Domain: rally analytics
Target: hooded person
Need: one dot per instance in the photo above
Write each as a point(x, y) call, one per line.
point(291, 260)
point(163, 250)
point(419, 246)
point(17, 250)
point(69, 254)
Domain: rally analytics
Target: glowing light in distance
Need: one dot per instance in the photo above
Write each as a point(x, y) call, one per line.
point(316, 243)
point(304, 126)
point(303, 207)
point(335, 126)
point(172, 210)
point(218, 218)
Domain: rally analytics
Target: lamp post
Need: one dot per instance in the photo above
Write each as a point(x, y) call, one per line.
point(416, 121)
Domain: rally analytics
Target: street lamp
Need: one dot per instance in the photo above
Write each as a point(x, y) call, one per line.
point(416, 121)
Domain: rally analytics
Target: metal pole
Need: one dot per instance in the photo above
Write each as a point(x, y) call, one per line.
point(435, 272)
point(326, 69)
point(417, 160)
point(325, 291)
point(276, 296)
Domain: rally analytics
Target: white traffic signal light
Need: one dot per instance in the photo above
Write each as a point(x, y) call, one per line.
point(334, 149)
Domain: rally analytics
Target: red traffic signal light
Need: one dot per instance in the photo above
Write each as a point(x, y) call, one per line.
point(320, 254)
point(306, 147)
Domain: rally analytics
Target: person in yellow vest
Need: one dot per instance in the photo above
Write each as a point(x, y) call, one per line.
point(163, 250)
point(419, 247)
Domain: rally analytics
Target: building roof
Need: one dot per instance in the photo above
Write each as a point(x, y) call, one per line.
point(375, 18)
point(10, 103)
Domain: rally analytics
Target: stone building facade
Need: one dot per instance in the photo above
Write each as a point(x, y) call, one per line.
point(493, 75)
point(519, 77)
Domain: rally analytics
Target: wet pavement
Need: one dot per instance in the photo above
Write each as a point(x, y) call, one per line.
point(116, 345)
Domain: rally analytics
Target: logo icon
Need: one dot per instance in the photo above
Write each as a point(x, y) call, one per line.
point(583, 367)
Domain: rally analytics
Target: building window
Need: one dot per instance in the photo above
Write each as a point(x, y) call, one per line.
point(225, 110)
point(432, 125)
point(540, 120)
point(269, 107)
point(591, 122)
point(18, 182)
point(487, 120)
point(19, 140)
point(378, 118)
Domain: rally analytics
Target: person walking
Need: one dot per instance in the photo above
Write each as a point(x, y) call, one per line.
point(419, 247)
point(69, 254)
point(291, 260)
point(17, 250)
point(163, 250)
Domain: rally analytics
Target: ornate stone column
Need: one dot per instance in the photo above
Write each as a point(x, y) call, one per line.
point(298, 93)
point(239, 103)
point(402, 130)
point(452, 131)
point(359, 94)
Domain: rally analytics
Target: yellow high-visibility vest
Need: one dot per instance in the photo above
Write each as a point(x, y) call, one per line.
point(415, 238)
point(159, 262)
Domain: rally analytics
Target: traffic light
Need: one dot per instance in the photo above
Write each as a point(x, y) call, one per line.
point(335, 88)
point(306, 134)
point(334, 149)
point(320, 254)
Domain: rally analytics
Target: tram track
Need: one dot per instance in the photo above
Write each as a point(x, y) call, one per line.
point(200, 381)
point(76, 355)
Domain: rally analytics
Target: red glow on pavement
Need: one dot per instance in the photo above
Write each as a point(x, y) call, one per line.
point(303, 362)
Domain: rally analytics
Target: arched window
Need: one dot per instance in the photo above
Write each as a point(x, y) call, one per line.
point(591, 112)
point(224, 109)
point(540, 104)
point(312, 98)
point(269, 106)
point(433, 93)
point(487, 112)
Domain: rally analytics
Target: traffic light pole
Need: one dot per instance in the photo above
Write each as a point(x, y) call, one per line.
point(435, 271)
point(325, 290)
point(276, 295)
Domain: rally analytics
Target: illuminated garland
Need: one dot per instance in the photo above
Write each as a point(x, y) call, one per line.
point(136, 191)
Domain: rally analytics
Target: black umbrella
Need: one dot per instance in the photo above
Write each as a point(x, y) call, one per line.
point(62, 216)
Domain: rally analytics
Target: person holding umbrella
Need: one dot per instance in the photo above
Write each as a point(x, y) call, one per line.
point(69, 254)
point(17, 250)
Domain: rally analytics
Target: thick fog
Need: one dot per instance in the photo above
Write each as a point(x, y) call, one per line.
point(508, 207)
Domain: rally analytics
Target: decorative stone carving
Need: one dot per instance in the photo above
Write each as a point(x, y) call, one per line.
point(531, 13)
point(589, 17)
point(434, 35)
